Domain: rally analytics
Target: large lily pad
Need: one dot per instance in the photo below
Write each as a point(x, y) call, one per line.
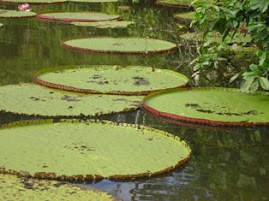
point(68, 17)
point(94, 1)
point(32, 1)
point(111, 79)
point(105, 24)
point(184, 18)
point(13, 188)
point(214, 106)
point(79, 151)
point(31, 99)
point(16, 14)
point(119, 45)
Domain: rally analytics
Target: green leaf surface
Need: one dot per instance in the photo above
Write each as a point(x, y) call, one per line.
point(76, 16)
point(184, 17)
point(120, 45)
point(215, 106)
point(75, 149)
point(105, 24)
point(13, 188)
point(175, 3)
point(31, 99)
point(33, 1)
point(111, 79)
point(94, 1)
point(16, 14)
point(1, 25)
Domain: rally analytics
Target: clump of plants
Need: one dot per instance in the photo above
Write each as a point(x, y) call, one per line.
point(249, 18)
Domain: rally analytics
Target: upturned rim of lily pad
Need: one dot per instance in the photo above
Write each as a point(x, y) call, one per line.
point(92, 91)
point(157, 113)
point(43, 17)
point(38, 2)
point(90, 177)
point(28, 14)
point(140, 52)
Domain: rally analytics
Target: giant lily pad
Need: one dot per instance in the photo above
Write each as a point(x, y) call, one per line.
point(214, 106)
point(16, 14)
point(32, 1)
point(94, 1)
point(111, 79)
point(104, 24)
point(184, 18)
point(31, 99)
point(79, 151)
point(119, 45)
point(13, 188)
point(68, 17)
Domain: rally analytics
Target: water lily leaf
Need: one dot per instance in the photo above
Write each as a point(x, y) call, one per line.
point(104, 24)
point(183, 4)
point(68, 17)
point(1, 25)
point(32, 1)
point(213, 106)
point(130, 80)
point(94, 1)
point(119, 45)
point(31, 99)
point(80, 151)
point(13, 188)
point(184, 18)
point(16, 14)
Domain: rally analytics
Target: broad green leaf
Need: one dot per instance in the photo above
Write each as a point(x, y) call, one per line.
point(264, 83)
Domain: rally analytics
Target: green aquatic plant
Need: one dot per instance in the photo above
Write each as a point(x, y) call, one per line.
point(13, 188)
point(94, 1)
point(183, 4)
point(32, 1)
point(184, 18)
point(214, 106)
point(16, 14)
point(119, 45)
point(1, 25)
point(74, 150)
point(68, 17)
point(105, 24)
point(32, 99)
point(130, 80)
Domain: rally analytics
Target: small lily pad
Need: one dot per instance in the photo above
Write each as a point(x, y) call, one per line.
point(80, 151)
point(16, 14)
point(184, 18)
point(119, 45)
point(32, 99)
point(32, 1)
point(213, 106)
point(94, 1)
point(13, 188)
point(105, 24)
point(69, 17)
point(131, 80)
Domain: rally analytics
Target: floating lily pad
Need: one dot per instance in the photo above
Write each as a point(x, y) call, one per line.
point(184, 18)
point(183, 4)
point(13, 188)
point(83, 150)
point(16, 14)
point(94, 1)
point(214, 106)
point(31, 99)
point(104, 24)
point(111, 79)
point(119, 45)
point(32, 1)
point(1, 25)
point(68, 17)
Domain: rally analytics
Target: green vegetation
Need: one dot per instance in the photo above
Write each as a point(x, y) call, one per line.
point(16, 14)
point(37, 100)
point(105, 24)
point(81, 150)
point(34, 1)
point(185, 18)
point(93, 1)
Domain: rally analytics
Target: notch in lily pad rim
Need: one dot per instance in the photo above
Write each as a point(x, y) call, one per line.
point(49, 18)
point(138, 52)
point(175, 117)
point(113, 92)
point(37, 2)
point(89, 177)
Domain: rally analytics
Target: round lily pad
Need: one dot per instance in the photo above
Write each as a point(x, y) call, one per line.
point(68, 17)
point(131, 80)
point(94, 1)
point(184, 18)
point(32, 1)
point(16, 14)
point(32, 99)
point(13, 188)
point(75, 150)
point(104, 24)
point(119, 45)
point(183, 4)
point(213, 106)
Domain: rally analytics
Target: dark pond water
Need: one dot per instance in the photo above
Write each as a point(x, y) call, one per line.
point(227, 164)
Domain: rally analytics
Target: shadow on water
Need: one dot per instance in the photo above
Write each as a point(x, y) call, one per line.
point(226, 164)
